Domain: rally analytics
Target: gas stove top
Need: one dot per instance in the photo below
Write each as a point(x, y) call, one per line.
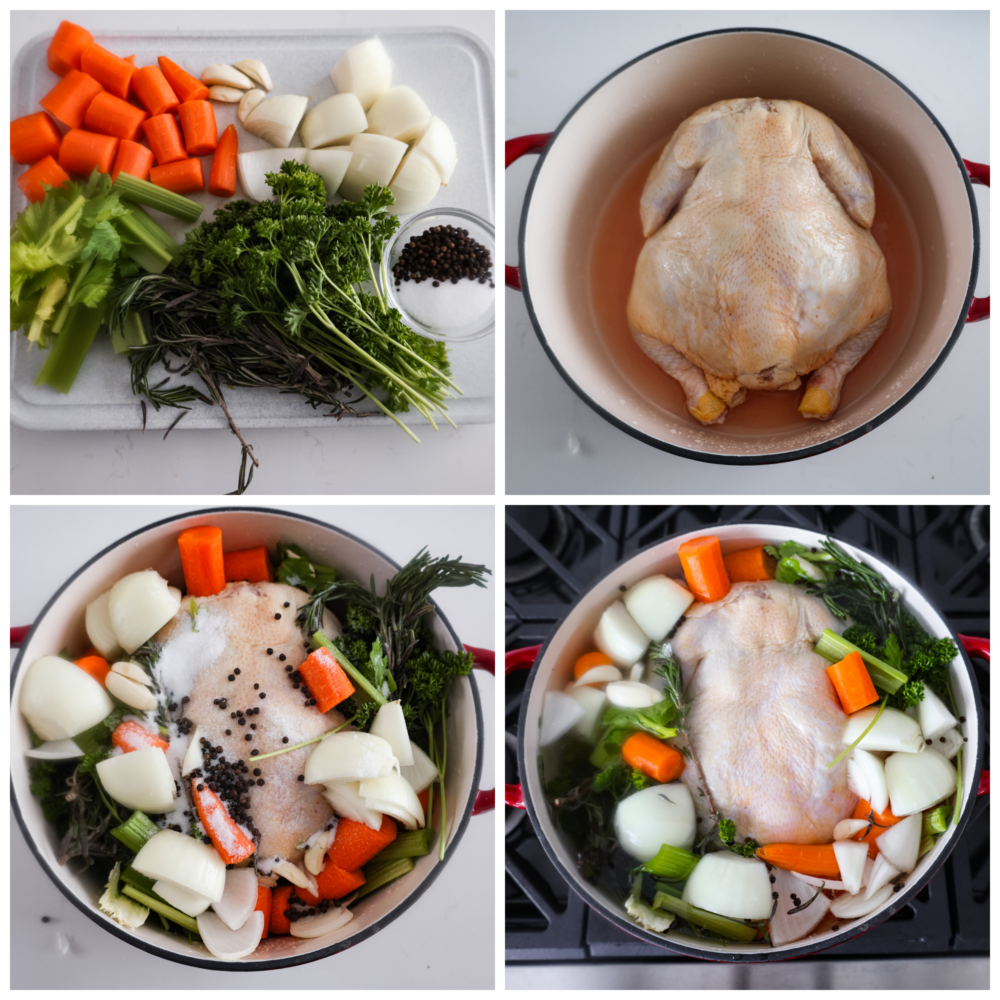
point(555, 553)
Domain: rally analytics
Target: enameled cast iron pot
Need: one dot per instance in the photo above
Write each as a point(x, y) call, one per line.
point(61, 625)
point(634, 112)
point(552, 668)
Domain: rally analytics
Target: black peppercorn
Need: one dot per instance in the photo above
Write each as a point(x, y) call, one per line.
point(282, 657)
point(232, 677)
point(248, 737)
point(260, 781)
point(229, 732)
point(277, 615)
point(256, 687)
point(287, 604)
point(256, 771)
point(253, 753)
point(270, 652)
point(263, 695)
point(284, 739)
point(236, 671)
point(302, 777)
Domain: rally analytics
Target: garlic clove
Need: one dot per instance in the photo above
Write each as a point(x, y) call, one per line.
point(248, 101)
point(227, 95)
point(225, 76)
point(133, 694)
point(276, 118)
point(257, 72)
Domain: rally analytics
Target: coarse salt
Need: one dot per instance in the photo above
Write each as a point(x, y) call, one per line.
point(447, 307)
point(189, 653)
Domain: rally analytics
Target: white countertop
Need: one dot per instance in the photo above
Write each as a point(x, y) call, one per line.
point(300, 460)
point(556, 444)
point(445, 940)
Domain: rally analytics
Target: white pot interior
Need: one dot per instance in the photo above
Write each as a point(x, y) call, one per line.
point(928, 242)
point(62, 626)
point(573, 638)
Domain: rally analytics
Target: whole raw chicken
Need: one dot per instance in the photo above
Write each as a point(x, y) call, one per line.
point(764, 719)
point(767, 270)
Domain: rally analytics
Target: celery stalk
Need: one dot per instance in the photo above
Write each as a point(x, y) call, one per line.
point(731, 930)
point(411, 844)
point(834, 648)
point(936, 821)
point(926, 844)
point(79, 273)
point(66, 355)
point(671, 863)
point(135, 831)
point(141, 882)
point(153, 196)
point(157, 905)
point(156, 247)
point(378, 875)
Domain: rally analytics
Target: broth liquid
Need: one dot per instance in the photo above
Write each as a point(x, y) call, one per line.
point(617, 243)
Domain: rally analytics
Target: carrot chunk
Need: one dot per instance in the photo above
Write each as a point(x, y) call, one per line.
point(652, 757)
point(201, 135)
point(131, 736)
point(356, 844)
point(97, 667)
point(182, 177)
point(230, 841)
point(588, 661)
point(704, 568)
point(153, 91)
point(110, 71)
point(182, 83)
point(66, 47)
point(164, 138)
point(201, 559)
point(34, 137)
point(817, 860)
point(110, 115)
point(883, 821)
point(82, 152)
point(279, 923)
point(252, 565)
point(45, 171)
point(132, 159)
point(222, 179)
point(69, 99)
point(335, 883)
point(264, 905)
point(325, 679)
point(852, 682)
point(750, 565)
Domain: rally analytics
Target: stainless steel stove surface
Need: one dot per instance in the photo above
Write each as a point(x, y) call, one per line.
point(554, 940)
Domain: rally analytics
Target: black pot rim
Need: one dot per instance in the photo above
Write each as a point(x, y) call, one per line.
point(799, 453)
point(673, 945)
point(268, 964)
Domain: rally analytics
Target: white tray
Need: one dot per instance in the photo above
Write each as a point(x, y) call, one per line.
point(449, 68)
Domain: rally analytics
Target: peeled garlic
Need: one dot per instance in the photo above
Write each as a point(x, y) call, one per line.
point(276, 118)
point(416, 182)
point(228, 95)
point(334, 121)
point(133, 672)
point(225, 76)
point(134, 695)
point(248, 101)
point(365, 70)
point(400, 114)
point(375, 160)
point(257, 72)
point(438, 143)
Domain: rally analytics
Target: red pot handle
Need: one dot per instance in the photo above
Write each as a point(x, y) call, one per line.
point(485, 659)
point(518, 659)
point(18, 633)
point(979, 173)
point(514, 149)
point(976, 645)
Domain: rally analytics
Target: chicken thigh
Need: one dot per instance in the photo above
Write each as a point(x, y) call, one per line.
point(764, 718)
point(766, 271)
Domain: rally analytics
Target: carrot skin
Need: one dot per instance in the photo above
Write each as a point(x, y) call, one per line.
point(130, 736)
point(45, 171)
point(81, 152)
point(652, 757)
point(182, 177)
point(252, 565)
point(325, 678)
point(230, 841)
point(852, 682)
point(817, 860)
point(69, 99)
point(132, 159)
point(201, 557)
point(110, 115)
point(279, 923)
point(33, 137)
point(222, 178)
point(356, 844)
point(66, 47)
point(750, 565)
point(182, 83)
point(97, 667)
point(704, 568)
point(335, 883)
point(153, 91)
point(201, 135)
point(164, 138)
point(588, 661)
point(111, 72)
point(264, 905)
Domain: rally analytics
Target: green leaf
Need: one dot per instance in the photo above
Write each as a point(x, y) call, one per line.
point(96, 285)
point(104, 243)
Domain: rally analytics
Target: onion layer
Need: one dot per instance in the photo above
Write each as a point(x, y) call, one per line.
point(60, 700)
point(732, 886)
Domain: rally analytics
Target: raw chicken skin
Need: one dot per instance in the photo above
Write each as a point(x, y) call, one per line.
point(764, 718)
point(767, 270)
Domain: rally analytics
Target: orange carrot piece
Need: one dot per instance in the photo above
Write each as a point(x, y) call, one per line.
point(335, 883)
point(45, 171)
point(652, 757)
point(704, 568)
point(279, 923)
point(182, 83)
point(110, 71)
point(306, 896)
point(153, 91)
point(817, 860)
point(325, 679)
point(201, 135)
point(90, 651)
point(131, 59)
point(34, 137)
point(132, 159)
point(230, 841)
point(588, 661)
point(883, 821)
point(69, 99)
point(750, 565)
point(852, 682)
point(96, 666)
point(356, 844)
point(201, 556)
point(252, 565)
point(81, 152)
point(131, 736)
point(110, 115)
point(66, 47)
point(164, 138)
point(222, 179)
point(264, 905)
point(182, 177)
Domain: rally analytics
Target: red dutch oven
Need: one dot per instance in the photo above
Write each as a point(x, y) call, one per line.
point(928, 230)
point(551, 667)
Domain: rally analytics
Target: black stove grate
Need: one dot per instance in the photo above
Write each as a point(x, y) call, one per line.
point(554, 554)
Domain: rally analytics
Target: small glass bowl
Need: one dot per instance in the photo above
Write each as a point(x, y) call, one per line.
point(481, 231)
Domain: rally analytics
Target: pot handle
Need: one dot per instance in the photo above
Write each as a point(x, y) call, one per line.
point(514, 149)
point(979, 173)
point(518, 659)
point(18, 633)
point(485, 659)
point(976, 645)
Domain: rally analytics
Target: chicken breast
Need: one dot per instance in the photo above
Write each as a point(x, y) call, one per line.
point(223, 654)
point(759, 266)
point(764, 718)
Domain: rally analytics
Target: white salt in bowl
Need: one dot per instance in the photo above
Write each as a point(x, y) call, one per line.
point(61, 624)
point(450, 312)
